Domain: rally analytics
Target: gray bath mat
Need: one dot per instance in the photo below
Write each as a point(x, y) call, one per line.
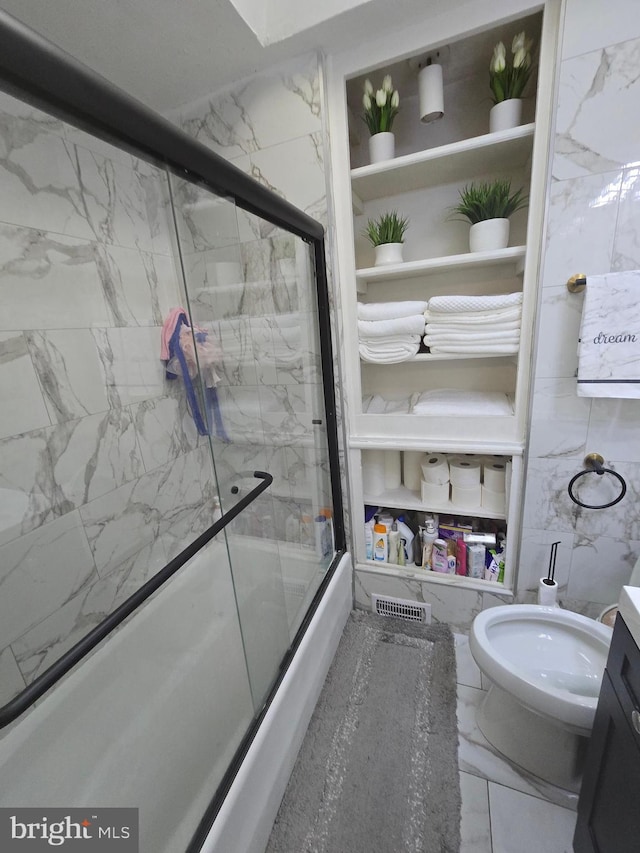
point(378, 769)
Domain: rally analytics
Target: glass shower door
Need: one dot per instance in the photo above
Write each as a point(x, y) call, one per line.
point(250, 289)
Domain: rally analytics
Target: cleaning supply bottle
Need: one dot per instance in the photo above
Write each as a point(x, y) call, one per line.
point(406, 534)
point(380, 543)
point(429, 536)
point(394, 543)
point(369, 521)
point(439, 557)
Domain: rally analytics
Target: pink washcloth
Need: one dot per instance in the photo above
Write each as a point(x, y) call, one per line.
point(168, 328)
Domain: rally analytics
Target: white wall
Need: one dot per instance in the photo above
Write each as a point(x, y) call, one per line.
point(593, 227)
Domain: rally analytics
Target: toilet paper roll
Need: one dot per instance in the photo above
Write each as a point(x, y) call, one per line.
point(411, 470)
point(493, 501)
point(464, 471)
point(435, 469)
point(494, 475)
point(392, 469)
point(435, 494)
point(373, 472)
point(466, 498)
point(547, 593)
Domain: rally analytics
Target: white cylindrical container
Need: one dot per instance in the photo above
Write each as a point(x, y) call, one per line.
point(430, 93)
point(434, 495)
point(411, 470)
point(493, 501)
point(547, 593)
point(388, 253)
point(489, 235)
point(435, 469)
point(505, 114)
point(373, 468)
point(382, 146)
point(466, 497)
point(494, 476)
point(464, 471)
point(392, 469)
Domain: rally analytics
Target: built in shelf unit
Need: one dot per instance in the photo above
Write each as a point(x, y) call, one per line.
point(432, 164)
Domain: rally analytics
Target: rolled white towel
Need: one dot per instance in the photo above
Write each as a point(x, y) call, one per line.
point(475, 318)
point(413, 325)
point(389, 310)
point(464, 303)
point(390, 352)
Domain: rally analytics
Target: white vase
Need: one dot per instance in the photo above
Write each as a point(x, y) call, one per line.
point(489, 235)
point(505, 115)
point(382, 146)
point(389, 253)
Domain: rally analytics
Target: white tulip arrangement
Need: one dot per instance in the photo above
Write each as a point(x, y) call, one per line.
point(381, 106)
point(508, 80)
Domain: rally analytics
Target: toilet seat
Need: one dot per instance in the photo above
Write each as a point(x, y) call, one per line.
point(551, 660)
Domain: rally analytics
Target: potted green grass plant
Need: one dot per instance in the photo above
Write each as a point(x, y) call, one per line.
point(380, 109)
point(386, 235)
point(487, 206)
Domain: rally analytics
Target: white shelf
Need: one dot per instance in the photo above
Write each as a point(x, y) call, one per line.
point(403, 498)
point(456, 162)
point(448, 263)
point(444, 356)
point(415, 573)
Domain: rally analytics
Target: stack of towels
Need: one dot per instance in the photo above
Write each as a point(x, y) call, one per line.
point(474, 325)
point(389, 332)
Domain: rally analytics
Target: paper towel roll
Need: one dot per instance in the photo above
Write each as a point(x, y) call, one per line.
point(373, 472)
point(494, 475)
point(411, 471)
point(435, 494)
point(392, 469)
point(547, 593)
point(493, 501)
point(464, 471)
point(466, 498)
point(435, 469)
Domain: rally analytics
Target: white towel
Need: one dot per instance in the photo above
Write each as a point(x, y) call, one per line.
point(452, 401)
point(389, 310)
point(475, 318)
point(609, 346)
point(413, 325)
point(391, 350)
point(478, 328)
point(474, 349)
point(468, 337)
point(377, 405)
point(458, 304)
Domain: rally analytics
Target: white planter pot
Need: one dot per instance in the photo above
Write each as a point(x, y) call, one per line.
point(489, 235)
point(389, 253)
point(505, 115)
point(382, 146)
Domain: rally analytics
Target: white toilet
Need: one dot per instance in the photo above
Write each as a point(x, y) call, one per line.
point(546, 666)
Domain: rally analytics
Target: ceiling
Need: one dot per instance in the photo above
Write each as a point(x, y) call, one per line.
point(168, 53)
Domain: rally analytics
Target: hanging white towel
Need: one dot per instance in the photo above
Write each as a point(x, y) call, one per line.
point(389, 310)
point(457, 304)
point(609, 346)
point(413, 325)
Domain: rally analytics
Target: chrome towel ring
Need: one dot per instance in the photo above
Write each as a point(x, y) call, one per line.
point(594, 464)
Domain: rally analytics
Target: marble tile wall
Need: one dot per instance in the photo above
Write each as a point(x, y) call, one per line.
point(250, 283)
point(102, 476)
point(593, 227)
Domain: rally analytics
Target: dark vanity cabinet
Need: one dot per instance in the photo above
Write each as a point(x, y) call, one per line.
point(609, 805)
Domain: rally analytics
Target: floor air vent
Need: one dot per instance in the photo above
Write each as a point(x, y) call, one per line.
point(413, 611)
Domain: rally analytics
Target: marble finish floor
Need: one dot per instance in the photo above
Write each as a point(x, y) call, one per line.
point(504, 810)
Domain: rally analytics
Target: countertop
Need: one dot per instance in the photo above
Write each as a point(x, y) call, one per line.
point(629, 609)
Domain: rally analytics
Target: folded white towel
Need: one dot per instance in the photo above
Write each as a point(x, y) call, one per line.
point(468, 337)
point(475, 318)
point(458, 304)
point(452, 401)
point(609, 345)
point(390, 351)
point(377, 405)
point(471, 329)
point(389, 310)
point(474, 349)
point(413, 325)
